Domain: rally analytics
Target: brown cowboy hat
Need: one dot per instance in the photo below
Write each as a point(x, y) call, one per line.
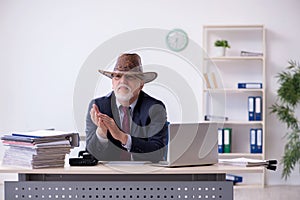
point(130, 64)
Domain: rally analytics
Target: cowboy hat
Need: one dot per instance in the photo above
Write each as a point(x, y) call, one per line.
point(130, 64)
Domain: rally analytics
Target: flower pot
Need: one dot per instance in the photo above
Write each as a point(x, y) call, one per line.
point(220, 51)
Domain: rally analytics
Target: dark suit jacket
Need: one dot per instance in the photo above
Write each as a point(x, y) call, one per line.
point(148, 129)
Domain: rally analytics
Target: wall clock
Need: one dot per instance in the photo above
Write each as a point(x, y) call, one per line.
point(177, 40)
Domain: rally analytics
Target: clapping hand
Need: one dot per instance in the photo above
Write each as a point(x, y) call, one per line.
point(104, 123)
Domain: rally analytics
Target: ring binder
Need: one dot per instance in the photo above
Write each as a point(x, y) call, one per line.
point(251, 104)
point(258, 106)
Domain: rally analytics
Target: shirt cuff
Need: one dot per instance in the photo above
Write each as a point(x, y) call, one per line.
point(128, 143)
point(101, 139)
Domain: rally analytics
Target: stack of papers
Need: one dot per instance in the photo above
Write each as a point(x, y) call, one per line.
point(38, 149)
point(246, 162)
point(250, 53)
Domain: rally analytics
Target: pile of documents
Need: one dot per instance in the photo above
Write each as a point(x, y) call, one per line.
point(248, 162)
point(250, 53)
point(38, 149)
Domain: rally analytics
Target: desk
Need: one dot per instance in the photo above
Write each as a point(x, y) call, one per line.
point(121, 182)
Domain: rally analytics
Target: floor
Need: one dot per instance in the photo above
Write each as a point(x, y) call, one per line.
point(269, 192)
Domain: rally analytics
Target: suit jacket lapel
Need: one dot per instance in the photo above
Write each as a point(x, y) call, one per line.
point(136, 123)
point(115, 110)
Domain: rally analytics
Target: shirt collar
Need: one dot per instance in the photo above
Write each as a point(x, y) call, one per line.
point(131, 106)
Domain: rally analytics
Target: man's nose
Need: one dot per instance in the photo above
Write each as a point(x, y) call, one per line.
point(123, 79)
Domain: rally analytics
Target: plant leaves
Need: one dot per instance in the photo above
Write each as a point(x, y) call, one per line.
point(284, 107)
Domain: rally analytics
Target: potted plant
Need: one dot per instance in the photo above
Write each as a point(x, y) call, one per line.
point(222, 45)
point(286, 104)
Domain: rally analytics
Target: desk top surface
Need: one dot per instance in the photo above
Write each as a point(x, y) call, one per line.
point(134, 169)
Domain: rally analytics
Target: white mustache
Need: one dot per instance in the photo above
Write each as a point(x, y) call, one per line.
point(124, 85)
point(123, 97)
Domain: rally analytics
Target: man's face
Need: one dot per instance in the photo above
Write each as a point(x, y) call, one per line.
point(126, 86)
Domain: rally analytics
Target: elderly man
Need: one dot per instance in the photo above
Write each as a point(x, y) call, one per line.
point(127, 124)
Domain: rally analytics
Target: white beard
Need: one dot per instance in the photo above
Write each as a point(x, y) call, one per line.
point(123, 97)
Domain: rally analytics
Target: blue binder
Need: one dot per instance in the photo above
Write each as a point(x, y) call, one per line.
point(249, 85)
point(220, 140)
point(234, 178)
point(258, 107)
point(253, 146)
point(259, 140)
point(251, 107)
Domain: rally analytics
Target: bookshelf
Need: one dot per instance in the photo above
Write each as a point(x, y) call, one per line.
point(224, 98)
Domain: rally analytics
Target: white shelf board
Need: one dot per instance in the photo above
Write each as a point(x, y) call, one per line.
point(233, 26)
point(244, 122)
point(231, 58)
point(232, 90)
point(238, 155)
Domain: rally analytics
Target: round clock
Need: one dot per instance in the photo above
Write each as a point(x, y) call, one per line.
point(177, 40)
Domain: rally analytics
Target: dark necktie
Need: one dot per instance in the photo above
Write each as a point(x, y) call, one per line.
point(125, 155)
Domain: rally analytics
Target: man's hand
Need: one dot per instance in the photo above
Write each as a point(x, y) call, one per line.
point(111, 125)
point(95, 116)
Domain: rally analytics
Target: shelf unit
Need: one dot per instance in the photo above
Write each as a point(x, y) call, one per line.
point(226, 99)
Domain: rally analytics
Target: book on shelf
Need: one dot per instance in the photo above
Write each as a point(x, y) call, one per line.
point(249, 85)
point(215, 118)
point(251, 53)
point(252, 141)
point(206, 78)
point(220, 140)
point(256, 140)
point(227, 139)
point(254, 108)
point(251, 108)
point(259, 139)
point(224, 140)
point(211, 80)
point(37, 150)
point(258, 108)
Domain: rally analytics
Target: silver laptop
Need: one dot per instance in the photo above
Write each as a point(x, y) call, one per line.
point(192, 144)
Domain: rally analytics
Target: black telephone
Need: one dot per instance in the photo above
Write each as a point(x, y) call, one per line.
point(84, 159)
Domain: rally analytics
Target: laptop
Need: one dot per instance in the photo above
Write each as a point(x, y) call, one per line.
point(191, 144)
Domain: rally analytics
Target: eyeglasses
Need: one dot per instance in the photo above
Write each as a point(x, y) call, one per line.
point(118, 76)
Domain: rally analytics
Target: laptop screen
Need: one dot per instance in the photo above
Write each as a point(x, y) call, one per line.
point(193, 144)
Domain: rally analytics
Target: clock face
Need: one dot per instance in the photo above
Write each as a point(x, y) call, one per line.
point(177, 40)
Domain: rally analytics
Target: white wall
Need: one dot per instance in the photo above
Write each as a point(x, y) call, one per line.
point(43, 45)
